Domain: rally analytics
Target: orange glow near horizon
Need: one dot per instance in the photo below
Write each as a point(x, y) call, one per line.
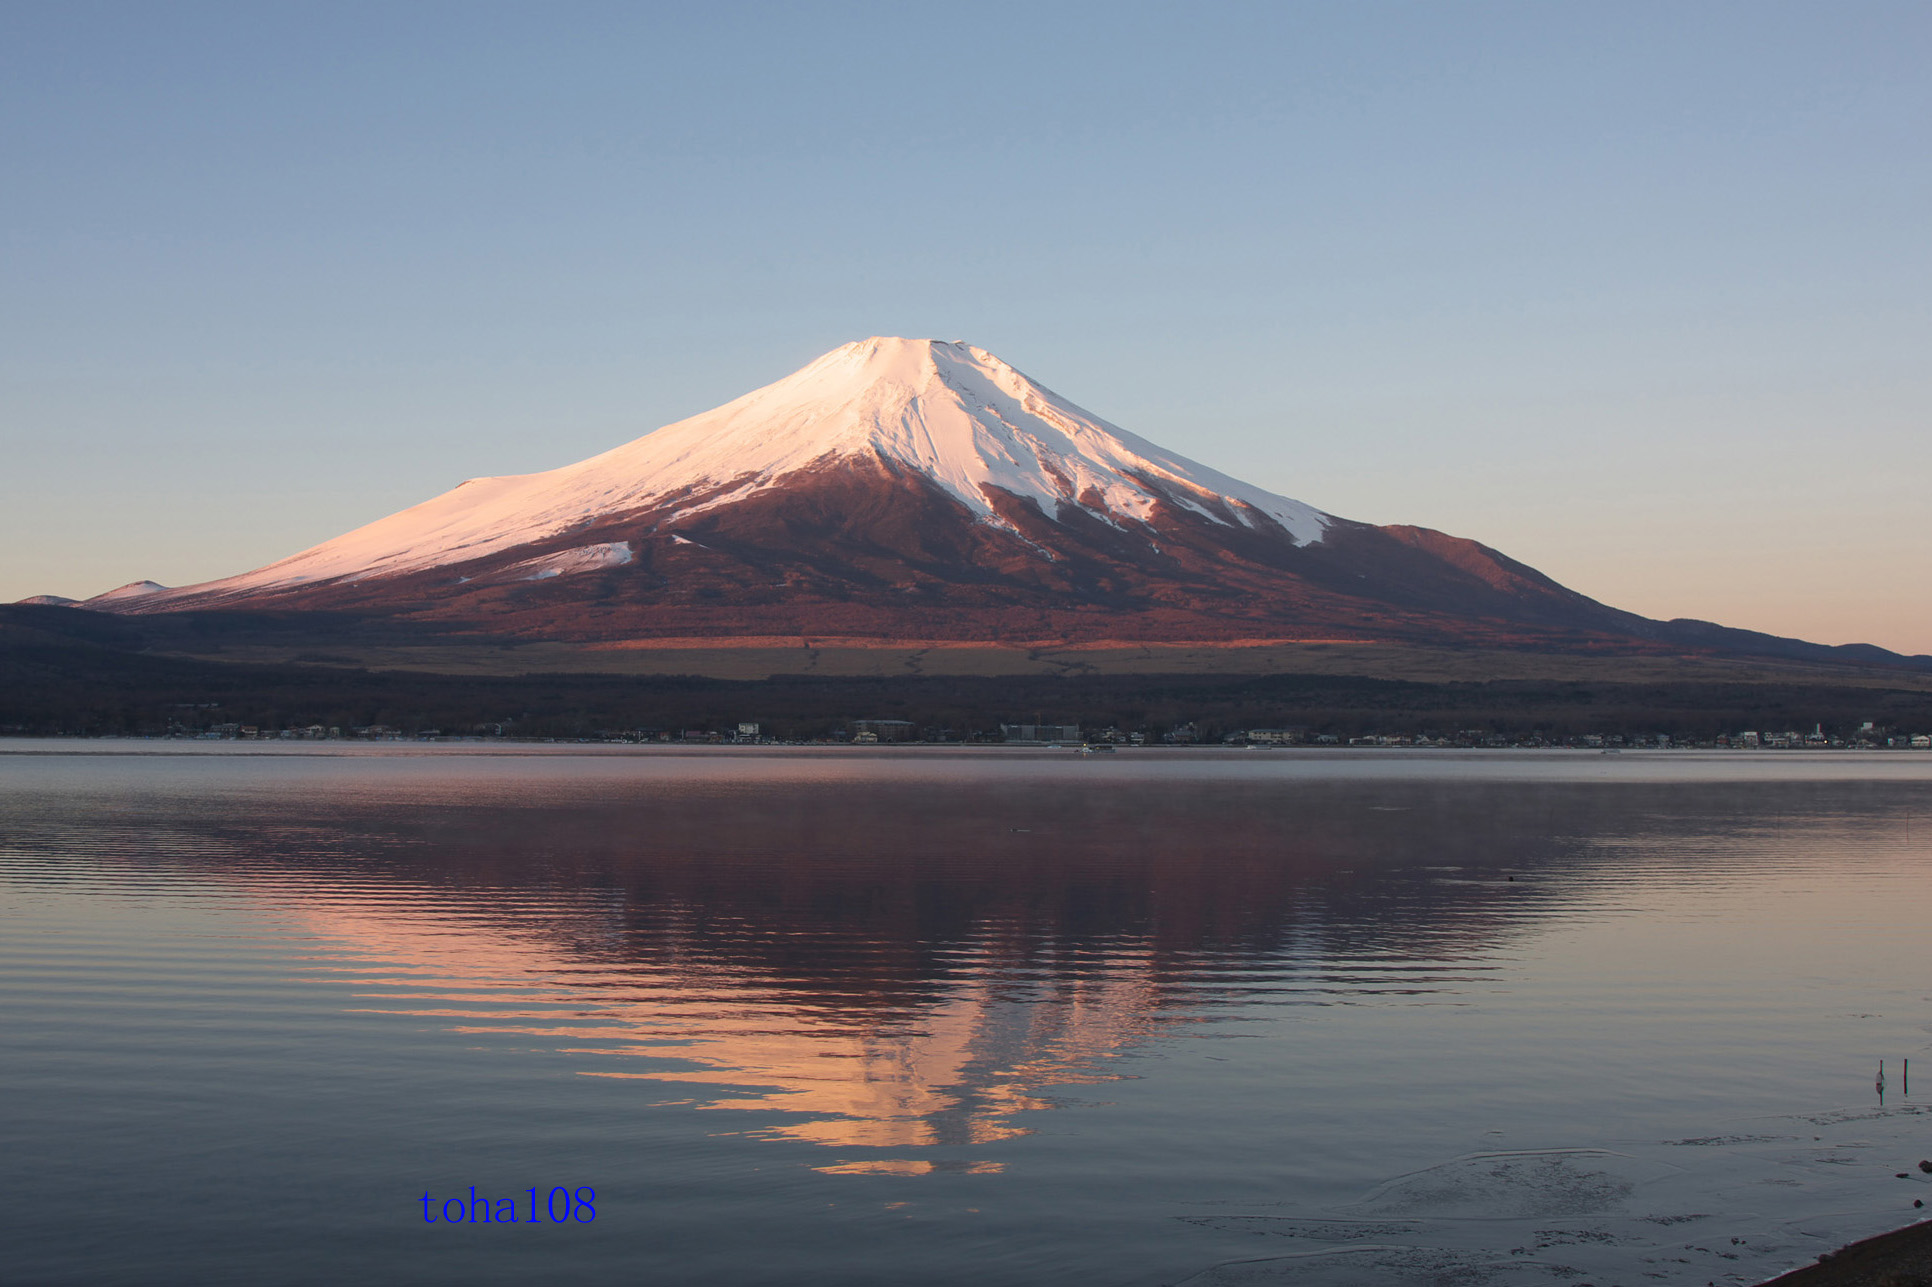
point(955, 1071)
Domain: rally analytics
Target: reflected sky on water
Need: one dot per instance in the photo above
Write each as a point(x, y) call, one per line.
point(976, 1016)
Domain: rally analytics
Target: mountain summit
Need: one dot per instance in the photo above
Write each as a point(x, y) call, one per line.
point(911, 489)
point(954, 415)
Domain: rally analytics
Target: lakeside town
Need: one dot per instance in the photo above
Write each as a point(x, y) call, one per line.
point(1867, 736)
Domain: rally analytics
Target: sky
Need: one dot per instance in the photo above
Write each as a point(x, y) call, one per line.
point(1639, 294)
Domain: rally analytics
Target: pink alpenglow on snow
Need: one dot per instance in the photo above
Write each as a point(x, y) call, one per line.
point(132, 590)
point(915, 489)
point(953, 413)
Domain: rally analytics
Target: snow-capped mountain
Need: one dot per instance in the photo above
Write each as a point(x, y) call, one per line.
point(899, 487)
point(950, 413)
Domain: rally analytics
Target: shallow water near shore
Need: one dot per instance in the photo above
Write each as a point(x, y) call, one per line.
point(979, 1016)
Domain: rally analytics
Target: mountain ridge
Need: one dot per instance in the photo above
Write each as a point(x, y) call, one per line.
point(957, 415)
point(908, 489)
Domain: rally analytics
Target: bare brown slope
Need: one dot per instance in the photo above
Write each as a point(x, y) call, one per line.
point(875, 551)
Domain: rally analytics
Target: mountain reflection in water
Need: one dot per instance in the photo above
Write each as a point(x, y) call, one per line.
point(920, 957)
point(1007, 1017)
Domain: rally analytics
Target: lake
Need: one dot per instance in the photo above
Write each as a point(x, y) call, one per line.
point(295, 1013)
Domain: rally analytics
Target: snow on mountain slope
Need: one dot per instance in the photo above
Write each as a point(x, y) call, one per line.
point(585, 558)
point(132, 590)
point(956, 414)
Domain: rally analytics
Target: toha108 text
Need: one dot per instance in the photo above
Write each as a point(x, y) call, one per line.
point(559, 1206)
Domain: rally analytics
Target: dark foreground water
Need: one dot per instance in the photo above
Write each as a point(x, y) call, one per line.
point(985, 1017)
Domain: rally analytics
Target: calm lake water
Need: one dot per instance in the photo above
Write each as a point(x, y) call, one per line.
point(975, 1017)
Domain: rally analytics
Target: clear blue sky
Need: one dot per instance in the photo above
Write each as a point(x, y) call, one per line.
point(1640, 294)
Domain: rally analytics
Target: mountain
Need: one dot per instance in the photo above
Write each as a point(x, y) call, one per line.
point(911, 490)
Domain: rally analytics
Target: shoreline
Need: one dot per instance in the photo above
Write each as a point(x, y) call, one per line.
point(1901, 1258)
